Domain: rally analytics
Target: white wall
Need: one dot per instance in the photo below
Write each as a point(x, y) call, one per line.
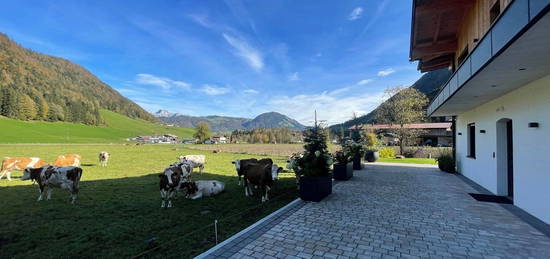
point(530, 103)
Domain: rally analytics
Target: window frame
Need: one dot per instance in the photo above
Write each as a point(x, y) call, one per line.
point(471, 134)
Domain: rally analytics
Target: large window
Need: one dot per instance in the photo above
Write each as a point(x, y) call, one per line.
point(494, 12)
point(472, 140)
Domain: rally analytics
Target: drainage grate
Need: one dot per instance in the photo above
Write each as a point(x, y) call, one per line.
point(491, 198)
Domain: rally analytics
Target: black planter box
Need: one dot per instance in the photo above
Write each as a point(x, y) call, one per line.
point(357, 163)
point(315, 188)
point(343, 171)
point(371, 156)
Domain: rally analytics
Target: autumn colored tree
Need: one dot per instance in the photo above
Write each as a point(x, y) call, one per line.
point(202, 131)
point(405, 106)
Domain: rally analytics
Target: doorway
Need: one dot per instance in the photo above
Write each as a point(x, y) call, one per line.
point(505, 158)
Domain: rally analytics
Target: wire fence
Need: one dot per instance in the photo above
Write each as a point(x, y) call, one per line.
point(214, 226)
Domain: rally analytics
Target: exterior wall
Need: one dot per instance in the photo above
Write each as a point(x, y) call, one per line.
point(476, 23)
point(530, 103)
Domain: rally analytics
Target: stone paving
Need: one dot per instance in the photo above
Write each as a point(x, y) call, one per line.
point(393, 211)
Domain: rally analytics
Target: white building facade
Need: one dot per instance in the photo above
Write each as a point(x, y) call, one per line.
point(499, 94)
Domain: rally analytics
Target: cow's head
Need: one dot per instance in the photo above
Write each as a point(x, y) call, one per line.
point(275, 171)
point(172, 176)
point(237, 164)
point(182, 159)
point(31, 173)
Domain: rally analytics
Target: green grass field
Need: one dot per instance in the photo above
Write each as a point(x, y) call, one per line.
point(409, 160)
point(118, 210)
point(116, 130)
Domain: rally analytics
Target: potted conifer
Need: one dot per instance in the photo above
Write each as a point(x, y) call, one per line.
point(343, 167)
point(313, 167)
point(357, 152)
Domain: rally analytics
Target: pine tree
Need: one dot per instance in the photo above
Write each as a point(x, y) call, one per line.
point(27, 108)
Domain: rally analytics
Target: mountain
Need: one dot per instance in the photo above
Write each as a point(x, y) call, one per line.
point(224, 124)
point(164, 113)
point(35, 86)
point(116, 129)
point(273, 120)
point(428, 84)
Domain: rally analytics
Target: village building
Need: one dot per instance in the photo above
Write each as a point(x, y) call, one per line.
point(219, 139)
point(157, 139)
point(498, 94)
point(438, 134)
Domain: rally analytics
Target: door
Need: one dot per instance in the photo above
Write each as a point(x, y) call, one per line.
point(510, 158)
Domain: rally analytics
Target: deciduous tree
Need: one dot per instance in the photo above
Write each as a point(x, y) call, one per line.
point(202, 131)
point(405, 106)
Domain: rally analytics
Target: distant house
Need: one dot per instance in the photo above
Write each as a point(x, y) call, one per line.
point(209, 141)
point(157, 139)
point(498, 94)
point(189, 141)
point(219, 139)
point(433, 134)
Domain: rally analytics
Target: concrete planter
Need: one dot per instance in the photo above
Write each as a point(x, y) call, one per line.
point(372, 156)
point(315, 188)
point(343, 171)
point(357, 163)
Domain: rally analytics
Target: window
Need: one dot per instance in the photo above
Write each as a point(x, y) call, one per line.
point(495, 11)
point(462, 56)
point(472, 140)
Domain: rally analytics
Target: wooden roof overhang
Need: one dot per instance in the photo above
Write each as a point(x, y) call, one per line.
point(434, 29)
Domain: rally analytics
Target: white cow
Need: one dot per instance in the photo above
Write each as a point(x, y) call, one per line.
point(199, 189)
point(196, 161)
point(103, 158)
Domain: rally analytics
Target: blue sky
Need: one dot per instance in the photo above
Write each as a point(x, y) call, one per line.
point(234, 57)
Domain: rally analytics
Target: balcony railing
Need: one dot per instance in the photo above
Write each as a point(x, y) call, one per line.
point(518, 16)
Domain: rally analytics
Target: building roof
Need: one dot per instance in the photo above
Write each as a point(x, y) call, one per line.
point(434, 29)
point(435, 125)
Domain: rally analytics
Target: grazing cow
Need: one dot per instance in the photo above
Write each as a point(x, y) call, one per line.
point(261, 175)
point(103, 158)
point(196, 161)
point(49, 177)
point(199, 189)
point(19, 164)
point(171, 180)
point(67, 160)
point(240, 165)
point(291, 164)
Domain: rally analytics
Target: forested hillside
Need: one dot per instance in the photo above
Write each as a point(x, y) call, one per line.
point(268, 120)
point(34, 86)
point(116, 129)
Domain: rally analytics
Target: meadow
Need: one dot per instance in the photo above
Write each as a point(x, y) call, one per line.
point(118, 212)
point(258, 149)
point(117, 128)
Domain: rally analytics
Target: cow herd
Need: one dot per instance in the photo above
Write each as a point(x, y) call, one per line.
point(250, 172)
point(65, 173)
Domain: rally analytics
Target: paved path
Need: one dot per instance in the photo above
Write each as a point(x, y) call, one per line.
point(390, 210)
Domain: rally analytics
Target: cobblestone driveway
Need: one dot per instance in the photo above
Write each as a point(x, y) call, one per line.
point(395, 211)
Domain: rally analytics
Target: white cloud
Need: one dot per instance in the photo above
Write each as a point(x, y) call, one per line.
point(355, 14)
point(330, 106)
point(251, 55)
point(214, 90)
point(386, 72)
point(364, 82)
point(163, 82)
point(250, 91)
point(294, 77)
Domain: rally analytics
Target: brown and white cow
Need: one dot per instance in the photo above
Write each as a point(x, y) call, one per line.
point(19, 164)
point(67, 160)
point(171, 180)
point(49, 177)
point(262, 175)
point(103, 158)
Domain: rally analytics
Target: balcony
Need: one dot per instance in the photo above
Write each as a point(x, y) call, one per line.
point(515, 51)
